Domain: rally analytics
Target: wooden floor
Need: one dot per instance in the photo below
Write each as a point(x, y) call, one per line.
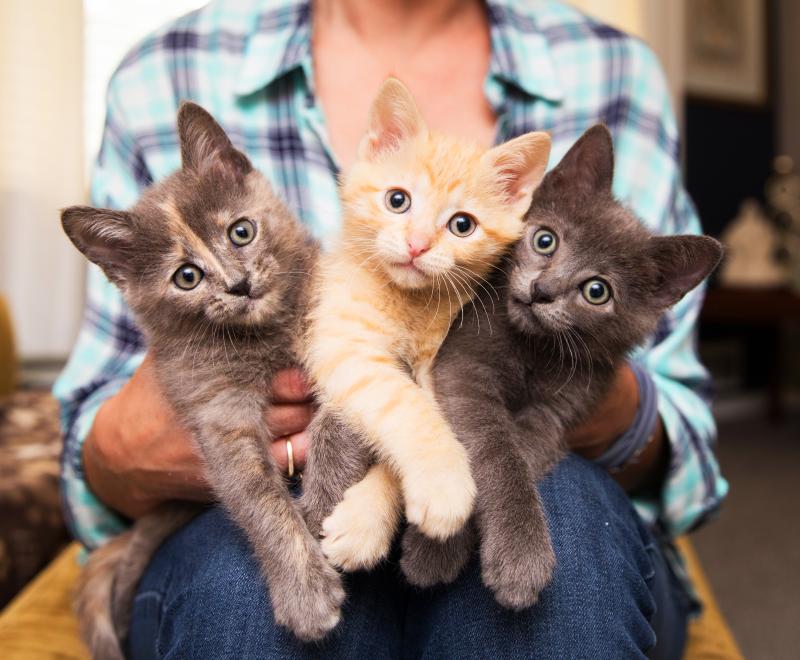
point(751, 554)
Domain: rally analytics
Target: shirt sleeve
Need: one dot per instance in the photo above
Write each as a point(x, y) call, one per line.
point(109, 346)
point(648, 178)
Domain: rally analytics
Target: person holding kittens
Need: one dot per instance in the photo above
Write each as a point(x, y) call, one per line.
point(291, 81)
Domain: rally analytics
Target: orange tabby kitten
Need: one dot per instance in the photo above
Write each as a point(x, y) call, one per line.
point(426, 217)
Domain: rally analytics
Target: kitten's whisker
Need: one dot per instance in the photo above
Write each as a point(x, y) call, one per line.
point(589, 360)
point(608, 358)
point(438, 302)
point(462, 277)
point(447, 284)
point(457, 293)
point(233, 344)
point(489, 264)
point(430, 297)
point(564, 350)
point(467, 274)
point(466, 284)
point(480, 281)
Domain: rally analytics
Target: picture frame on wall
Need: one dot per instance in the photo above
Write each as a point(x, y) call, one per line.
point(726, 51)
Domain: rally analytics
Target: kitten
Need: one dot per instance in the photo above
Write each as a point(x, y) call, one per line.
point(217, 271)
point(426, 218)
point(585, 285)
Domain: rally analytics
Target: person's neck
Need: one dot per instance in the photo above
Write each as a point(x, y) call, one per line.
point(395, 22)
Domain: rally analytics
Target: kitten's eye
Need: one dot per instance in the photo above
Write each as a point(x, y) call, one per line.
point(462, 224)
point(242, 232)
point(596, 291)
point(398, 201)
point(187, 277)
point(544, 242)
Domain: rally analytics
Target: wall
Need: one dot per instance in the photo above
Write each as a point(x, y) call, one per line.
point(55, 60)
point(787, 90)
point(41, 169)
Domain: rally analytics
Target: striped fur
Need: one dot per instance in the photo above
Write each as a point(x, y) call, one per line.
point(379, 321)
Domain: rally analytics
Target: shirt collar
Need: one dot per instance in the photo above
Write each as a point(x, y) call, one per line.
point(521, 52)
point(281, 42)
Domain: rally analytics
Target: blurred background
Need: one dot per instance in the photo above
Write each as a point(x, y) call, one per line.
point(733, 70)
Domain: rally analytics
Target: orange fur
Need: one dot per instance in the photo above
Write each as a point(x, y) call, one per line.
point(378, 325)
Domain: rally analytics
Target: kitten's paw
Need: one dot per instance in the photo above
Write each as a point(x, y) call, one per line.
point(439, 499)
point(311, 607)
point(356, 536)
point(426, 562)
point(517, 570)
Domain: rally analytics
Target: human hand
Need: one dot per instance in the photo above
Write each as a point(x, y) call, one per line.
point(137, 455)
point(289, 415)
point(611, 418)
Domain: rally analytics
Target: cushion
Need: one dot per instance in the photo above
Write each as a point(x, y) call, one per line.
point(31, 525)
point(39, 623)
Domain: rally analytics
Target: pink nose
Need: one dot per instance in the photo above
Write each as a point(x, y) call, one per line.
point(417, 246)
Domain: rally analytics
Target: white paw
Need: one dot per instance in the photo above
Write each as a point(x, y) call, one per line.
point(440, 500)
point(355, 536)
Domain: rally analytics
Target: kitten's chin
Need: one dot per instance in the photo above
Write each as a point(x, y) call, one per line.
point(530, 321)
point(408, 276)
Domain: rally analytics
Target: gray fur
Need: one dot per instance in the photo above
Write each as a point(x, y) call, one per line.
point(216, 351)
point(337, 458)
point(512, 394)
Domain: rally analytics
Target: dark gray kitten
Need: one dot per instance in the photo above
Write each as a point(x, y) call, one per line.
point(217, 271)
point(585, 285)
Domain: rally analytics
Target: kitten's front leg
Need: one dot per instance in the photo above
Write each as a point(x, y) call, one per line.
point(406, 428)
point(517, 558)
point(306, 592)
point(359, 532)
point(338, 457)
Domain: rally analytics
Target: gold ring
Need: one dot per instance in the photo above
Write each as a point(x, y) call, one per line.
point(289, 458)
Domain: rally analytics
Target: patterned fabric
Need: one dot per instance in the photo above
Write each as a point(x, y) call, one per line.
point(249, 63)
point(32, 529)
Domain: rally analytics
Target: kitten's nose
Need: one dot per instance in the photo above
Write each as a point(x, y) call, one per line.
point(540, 294)
point(241, 288)
point(418, 245)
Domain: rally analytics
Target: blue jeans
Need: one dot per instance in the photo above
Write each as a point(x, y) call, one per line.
point(612, 596)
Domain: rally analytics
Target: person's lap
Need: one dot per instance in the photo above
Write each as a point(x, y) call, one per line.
point(202, 595)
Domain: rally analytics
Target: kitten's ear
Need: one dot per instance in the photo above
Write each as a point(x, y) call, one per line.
point(588, 167)
point(682, 262)
point(393, 119)
point(105, 236)
point(519, 165)
point(205, 144)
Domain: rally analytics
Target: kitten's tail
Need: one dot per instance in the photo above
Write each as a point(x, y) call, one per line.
point(107, 584)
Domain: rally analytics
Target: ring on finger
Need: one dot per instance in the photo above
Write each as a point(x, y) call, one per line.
point(289, 458)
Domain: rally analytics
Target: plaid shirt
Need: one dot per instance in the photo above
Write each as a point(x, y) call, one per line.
point(249, 63)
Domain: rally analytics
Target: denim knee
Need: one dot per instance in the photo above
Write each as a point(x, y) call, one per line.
point(203, 596)
point(604, 566)
point(598, 604)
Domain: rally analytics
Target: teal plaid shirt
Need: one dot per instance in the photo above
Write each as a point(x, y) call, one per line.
point(249, 63)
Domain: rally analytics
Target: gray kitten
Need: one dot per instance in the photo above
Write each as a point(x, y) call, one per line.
point(217, 271)
point(585, 285)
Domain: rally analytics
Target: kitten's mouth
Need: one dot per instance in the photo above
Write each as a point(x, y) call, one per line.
point(534, 314)
point(408, 275)
point(409, 267)
point(244, 310)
